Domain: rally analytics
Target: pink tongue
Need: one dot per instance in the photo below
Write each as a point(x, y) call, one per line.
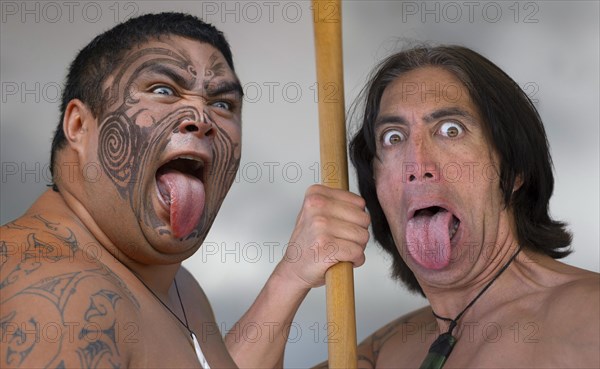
point(186, 194)
point(429, 240)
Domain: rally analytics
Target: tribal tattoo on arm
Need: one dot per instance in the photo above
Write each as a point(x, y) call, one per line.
point(57, 310)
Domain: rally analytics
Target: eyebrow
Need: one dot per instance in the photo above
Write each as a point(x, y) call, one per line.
point(186, 83)
point(447, 112)
point(389, 119)
point(211, 90)
point(224, 88)
point(435, 115)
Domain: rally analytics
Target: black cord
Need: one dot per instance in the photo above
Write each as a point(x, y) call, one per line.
point(181, 303)
point(454, 322)
point(186, 325)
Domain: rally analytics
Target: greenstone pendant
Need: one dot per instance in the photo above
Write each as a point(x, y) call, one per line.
point(439, 351)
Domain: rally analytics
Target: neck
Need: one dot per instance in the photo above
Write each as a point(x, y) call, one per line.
point(157, 277)
point(476, 296)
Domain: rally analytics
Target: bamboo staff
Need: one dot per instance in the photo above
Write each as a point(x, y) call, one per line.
point(341, 327)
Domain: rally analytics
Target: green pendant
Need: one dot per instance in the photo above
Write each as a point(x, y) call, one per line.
point(439, 352)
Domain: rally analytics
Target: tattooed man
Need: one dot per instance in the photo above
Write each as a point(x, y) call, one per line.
point(146, 149)
point(454, 165)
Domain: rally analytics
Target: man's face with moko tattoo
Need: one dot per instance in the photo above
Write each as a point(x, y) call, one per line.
point(168, 145)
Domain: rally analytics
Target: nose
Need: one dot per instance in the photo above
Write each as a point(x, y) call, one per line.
point(201, 127)
point(419, 164)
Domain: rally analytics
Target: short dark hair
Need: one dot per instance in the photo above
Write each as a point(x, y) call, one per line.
point(512, 125)
point(103, 55)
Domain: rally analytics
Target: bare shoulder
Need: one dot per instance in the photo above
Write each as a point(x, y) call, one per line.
point(581, 294)
point(370, 349)
point(59, 308)
point(572, 320)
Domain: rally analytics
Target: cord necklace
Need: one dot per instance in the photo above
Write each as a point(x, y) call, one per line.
point(195, 342)
point(441, 348)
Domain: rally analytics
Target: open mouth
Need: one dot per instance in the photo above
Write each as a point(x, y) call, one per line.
point(431, 234)
point(180, 184)
point(187, 165)
point(433, 211)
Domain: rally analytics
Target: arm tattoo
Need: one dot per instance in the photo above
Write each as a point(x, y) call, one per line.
point(87, 337)
point(367, 359)
point(59, 320)
point(36, 250)
point(379, 338)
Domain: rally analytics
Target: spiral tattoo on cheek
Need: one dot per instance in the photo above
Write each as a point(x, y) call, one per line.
point(128, 151)
point(119, 143)
point(121, 139)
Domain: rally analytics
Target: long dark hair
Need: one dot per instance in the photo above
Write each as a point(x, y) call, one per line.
point(513, 126)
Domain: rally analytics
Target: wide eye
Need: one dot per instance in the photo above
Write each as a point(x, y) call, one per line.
point(222, 105)
point(451, 129)
point(163, 90)
point(392, 137)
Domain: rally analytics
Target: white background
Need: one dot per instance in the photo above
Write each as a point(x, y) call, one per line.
point(549, 47)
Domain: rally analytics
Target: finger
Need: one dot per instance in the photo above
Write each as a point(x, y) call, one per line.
point(342, 251)
point(317, 203)
point(327, 229)
point(351, 232)
point(337, 194)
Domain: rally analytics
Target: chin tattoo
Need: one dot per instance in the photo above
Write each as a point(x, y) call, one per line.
point(128, 150)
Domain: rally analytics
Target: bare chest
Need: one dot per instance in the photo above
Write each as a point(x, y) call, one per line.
point(171, 349)
point(479, 345)
point(165, 343)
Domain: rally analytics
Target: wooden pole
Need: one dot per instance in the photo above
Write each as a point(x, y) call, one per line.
point(341, 325)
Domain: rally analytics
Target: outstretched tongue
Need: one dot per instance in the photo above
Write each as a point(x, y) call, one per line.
point(428, 238)
point(185, 195)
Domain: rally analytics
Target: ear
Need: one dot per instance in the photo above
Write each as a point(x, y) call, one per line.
point(78, 123)
point(518, 183)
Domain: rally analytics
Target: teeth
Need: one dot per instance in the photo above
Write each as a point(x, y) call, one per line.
point(198, 162)
point(165, 196)
point(454, 227)
point(189, 157)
